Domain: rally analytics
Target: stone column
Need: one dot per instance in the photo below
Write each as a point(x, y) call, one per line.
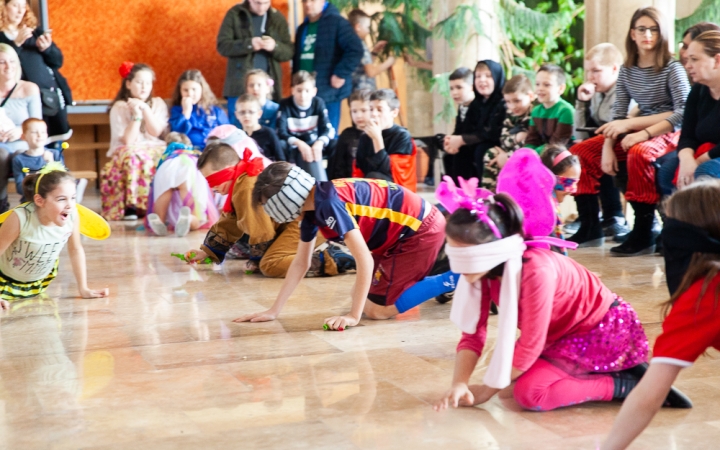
point(609, 20)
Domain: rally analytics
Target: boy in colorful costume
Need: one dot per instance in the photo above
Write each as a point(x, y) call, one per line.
point(393, 234)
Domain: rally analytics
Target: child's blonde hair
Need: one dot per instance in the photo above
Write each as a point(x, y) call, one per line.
point(606, 54)
point(257, 72)
point(207, 100)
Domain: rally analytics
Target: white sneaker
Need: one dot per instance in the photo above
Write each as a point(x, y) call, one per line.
point(158, 227)
point(182, 227)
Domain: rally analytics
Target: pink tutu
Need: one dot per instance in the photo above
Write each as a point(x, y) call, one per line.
point(618, 342)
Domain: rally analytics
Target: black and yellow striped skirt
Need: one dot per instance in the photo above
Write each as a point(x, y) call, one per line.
point(11, 289)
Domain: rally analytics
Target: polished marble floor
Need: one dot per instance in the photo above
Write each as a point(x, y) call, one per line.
point(160, 365)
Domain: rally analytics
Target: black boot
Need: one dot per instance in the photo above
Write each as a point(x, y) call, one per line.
point(590, 233)
point(624, 384)
point(641, 240)
point(4, 205)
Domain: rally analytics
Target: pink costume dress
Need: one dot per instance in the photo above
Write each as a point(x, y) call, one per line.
point(125, 179)
point(574, 331)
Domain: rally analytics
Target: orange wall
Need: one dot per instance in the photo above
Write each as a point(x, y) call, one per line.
point(96, 36)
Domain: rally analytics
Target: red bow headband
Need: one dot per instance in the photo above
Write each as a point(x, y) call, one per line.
point(126, 68)
point(252, 167)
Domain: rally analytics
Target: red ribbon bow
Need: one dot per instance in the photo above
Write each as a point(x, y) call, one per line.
point(126, 68)
point(250, 164)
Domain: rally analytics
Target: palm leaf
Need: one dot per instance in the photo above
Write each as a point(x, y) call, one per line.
point(522, 22)
point(464, 23)
point(708, 11)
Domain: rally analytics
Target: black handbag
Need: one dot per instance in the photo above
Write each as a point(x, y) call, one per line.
point(50, 102)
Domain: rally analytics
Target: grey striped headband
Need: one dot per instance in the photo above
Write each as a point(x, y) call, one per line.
point(285, 206)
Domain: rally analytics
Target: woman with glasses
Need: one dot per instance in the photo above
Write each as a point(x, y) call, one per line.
point(629, 146)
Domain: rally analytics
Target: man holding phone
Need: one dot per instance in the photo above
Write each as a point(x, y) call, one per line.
point(253, 35)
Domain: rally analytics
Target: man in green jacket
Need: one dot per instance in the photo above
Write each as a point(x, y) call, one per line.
point(253, 36)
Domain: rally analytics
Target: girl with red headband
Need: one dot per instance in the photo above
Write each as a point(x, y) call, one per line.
point(137, 122)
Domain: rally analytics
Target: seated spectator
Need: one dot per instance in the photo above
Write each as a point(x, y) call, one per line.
point(486, 112)
point(386, 151)
point(690, 34)
point(698, 150)
point(630, 146)
point(340, 163)
point(20, 100)
point(304, 124)
point(249, 113)
point(40, 60)
point(36, 156)
point(180, 198)
point(460, 162)
point(258, 84)
point(593, 109)
point(551, 122)
point(364, 75)
point(194, 108)
point(137, 121)
point(519, 96)
point(253, 35)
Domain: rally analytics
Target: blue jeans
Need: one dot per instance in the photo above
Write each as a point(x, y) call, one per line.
point(333, 109)
point(669, 165)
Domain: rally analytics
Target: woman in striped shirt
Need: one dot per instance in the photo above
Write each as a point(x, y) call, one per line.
point(631, 145)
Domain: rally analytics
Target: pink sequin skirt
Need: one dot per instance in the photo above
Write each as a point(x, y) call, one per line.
point(618, 342)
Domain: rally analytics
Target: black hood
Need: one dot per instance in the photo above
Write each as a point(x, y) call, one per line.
point(498, 74)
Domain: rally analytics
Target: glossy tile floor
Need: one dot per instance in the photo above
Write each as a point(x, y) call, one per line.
point(160, 365)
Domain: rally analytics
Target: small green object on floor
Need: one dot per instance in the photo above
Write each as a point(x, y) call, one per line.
point(326, 327)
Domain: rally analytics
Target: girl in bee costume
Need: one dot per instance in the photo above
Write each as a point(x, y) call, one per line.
point(33, 234)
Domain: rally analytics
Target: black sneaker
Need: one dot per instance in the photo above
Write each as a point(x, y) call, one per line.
point(343, 259)
point(616, 226)
point(674, 399)
point(4, 205)
point(444, 298)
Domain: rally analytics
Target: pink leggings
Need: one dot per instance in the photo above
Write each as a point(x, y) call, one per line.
point(544, 387)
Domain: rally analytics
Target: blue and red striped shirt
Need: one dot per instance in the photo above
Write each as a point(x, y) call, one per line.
point(384, 212)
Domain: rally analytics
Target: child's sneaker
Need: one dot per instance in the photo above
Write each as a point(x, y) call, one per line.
point(158, 227)
point(182, 227)
point(342, 257)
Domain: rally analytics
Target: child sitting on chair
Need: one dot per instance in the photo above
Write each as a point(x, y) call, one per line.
point(36, 156)
point(386, 151)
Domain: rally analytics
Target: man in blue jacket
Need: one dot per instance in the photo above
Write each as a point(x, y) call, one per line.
point(326, 44)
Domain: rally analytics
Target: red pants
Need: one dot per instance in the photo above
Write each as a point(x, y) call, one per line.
point(641, 173)
point(545, 387)
point(407, 262)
